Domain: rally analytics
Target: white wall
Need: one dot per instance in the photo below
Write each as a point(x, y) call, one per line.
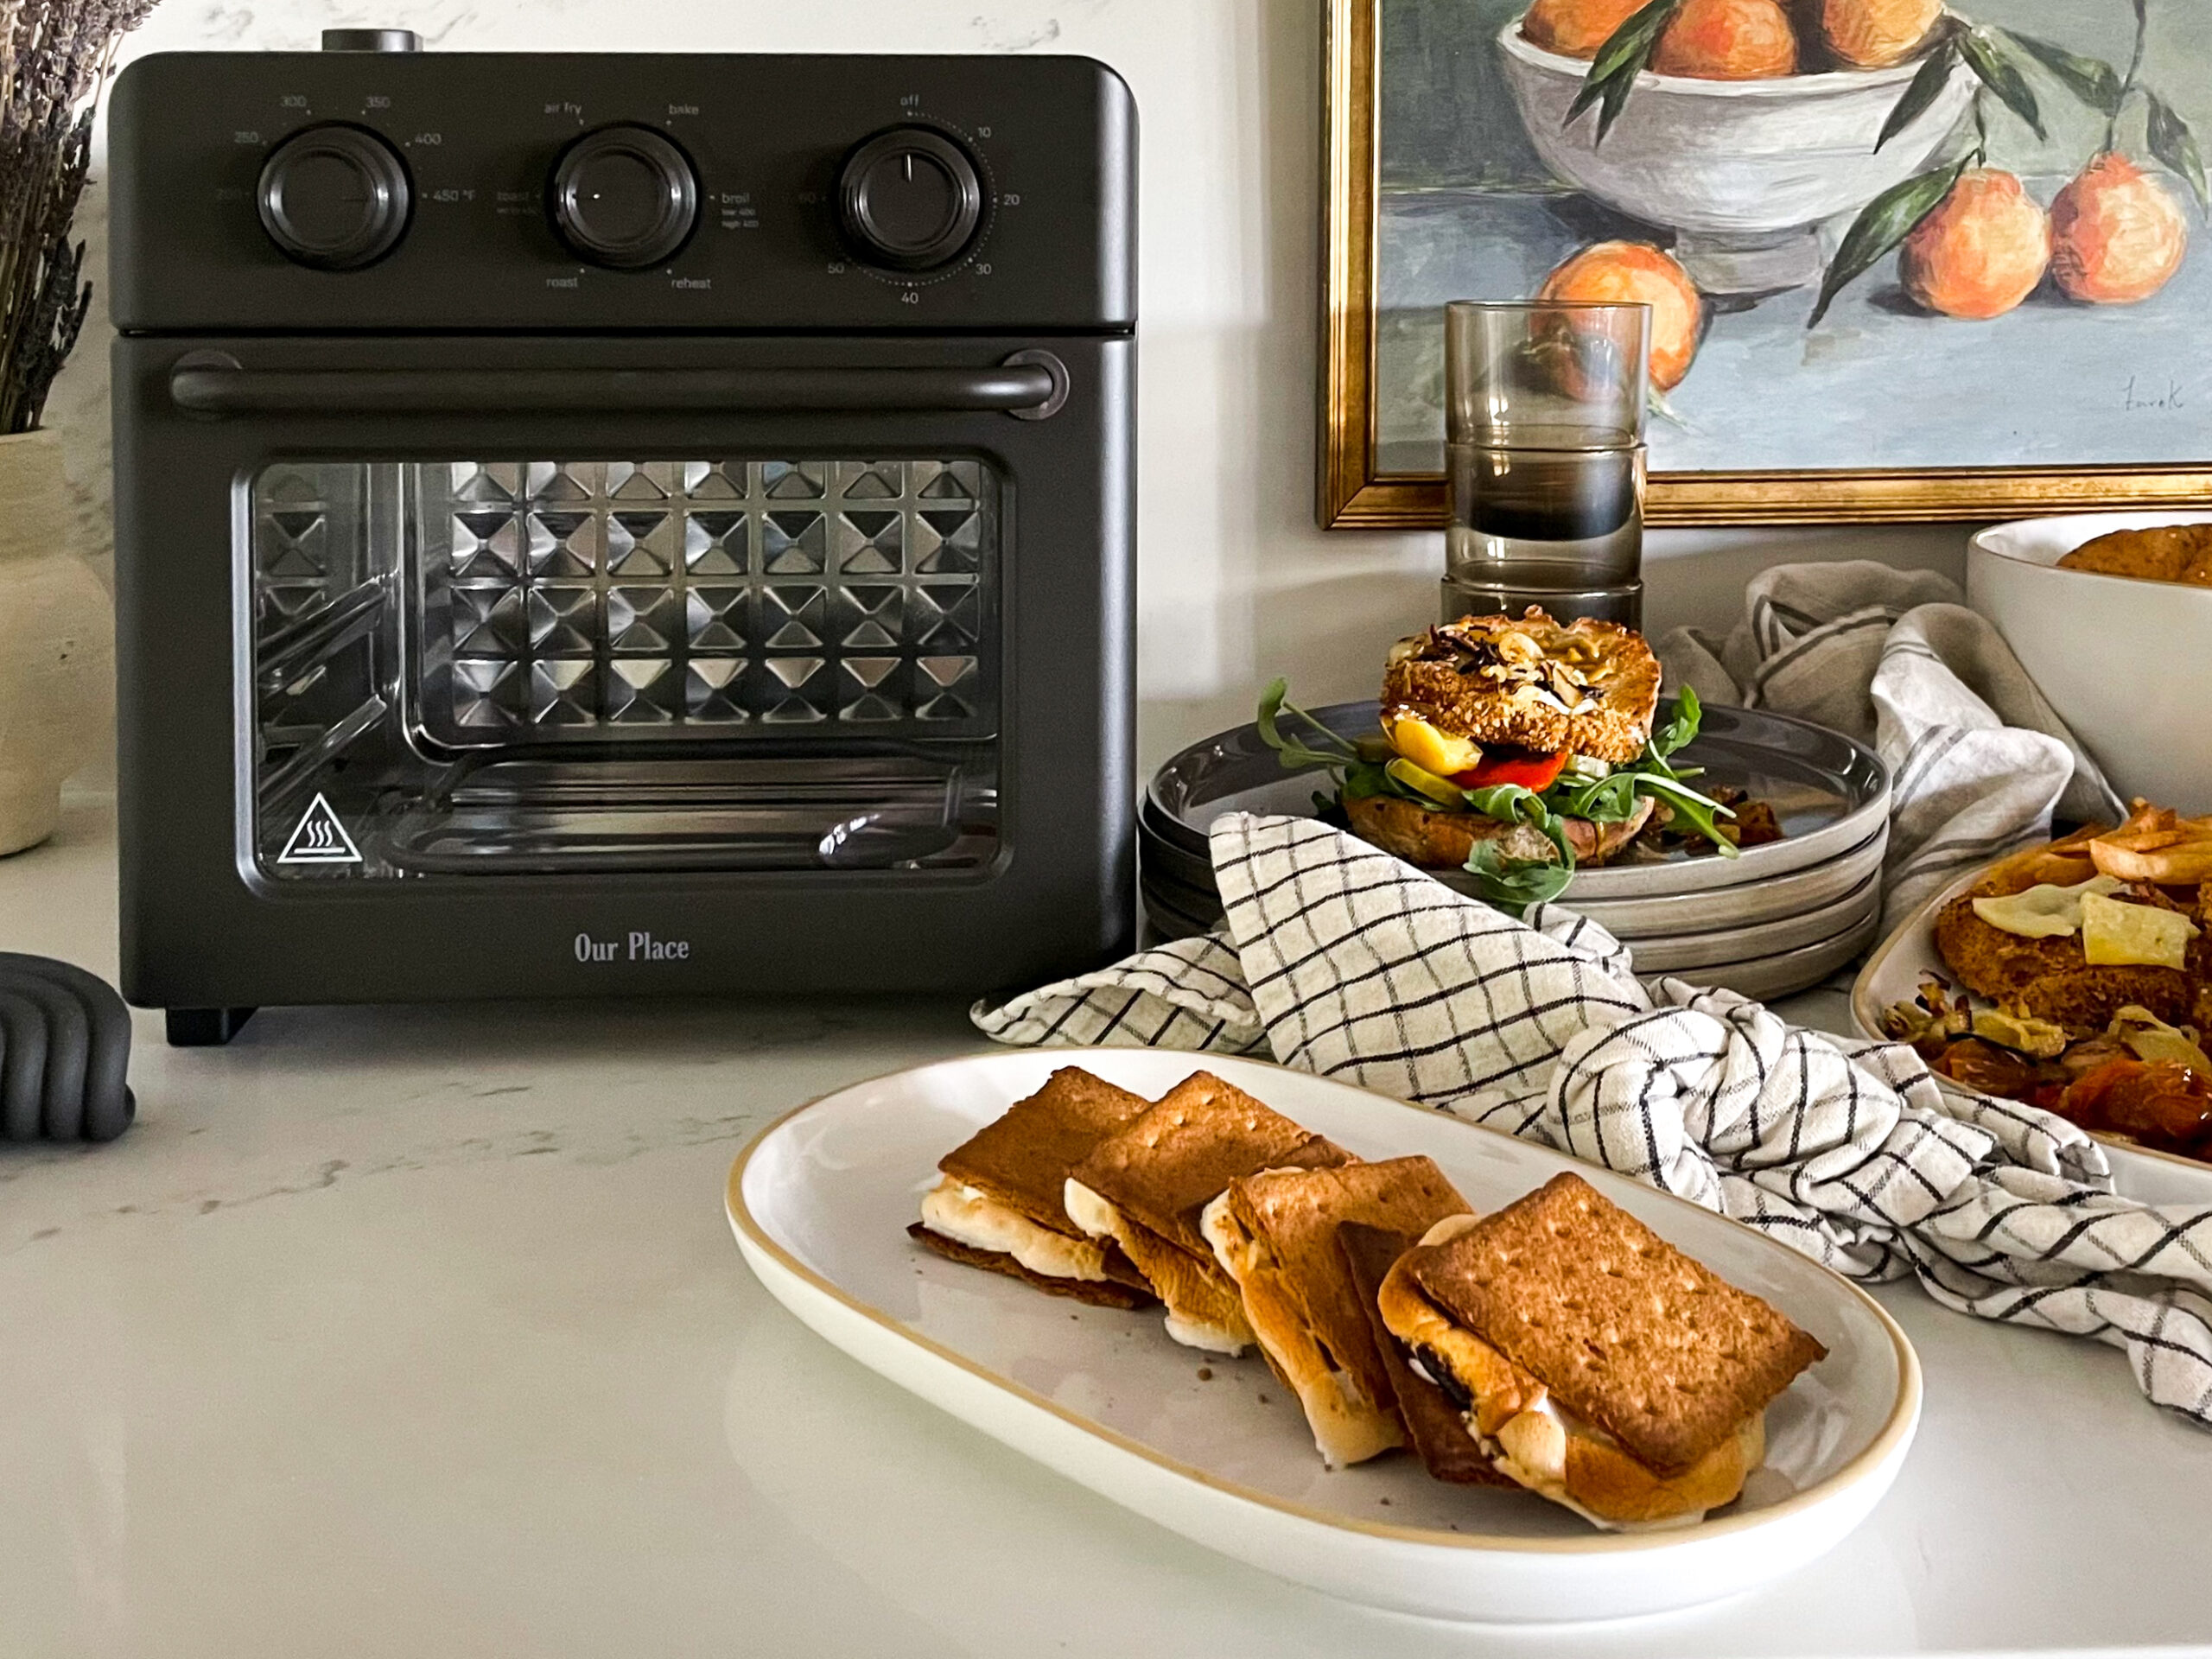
point(1236, 584)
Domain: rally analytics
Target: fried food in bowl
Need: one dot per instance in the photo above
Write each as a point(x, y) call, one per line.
point(2123, 661)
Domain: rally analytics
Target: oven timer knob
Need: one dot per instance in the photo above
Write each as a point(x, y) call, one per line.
point(910, 199)
point(333, 197)
point(624, 197)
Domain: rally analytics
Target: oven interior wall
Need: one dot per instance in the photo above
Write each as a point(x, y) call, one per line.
point(475, 667)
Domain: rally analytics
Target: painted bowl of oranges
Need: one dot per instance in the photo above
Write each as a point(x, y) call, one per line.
point(1739, 136)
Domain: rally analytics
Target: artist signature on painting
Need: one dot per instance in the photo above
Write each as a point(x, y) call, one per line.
point(2140, 396)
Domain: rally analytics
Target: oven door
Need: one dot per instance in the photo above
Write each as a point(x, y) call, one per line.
point(445, 619)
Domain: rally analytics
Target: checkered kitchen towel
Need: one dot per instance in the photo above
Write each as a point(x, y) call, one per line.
point(1977, 757)
point(1337, 959)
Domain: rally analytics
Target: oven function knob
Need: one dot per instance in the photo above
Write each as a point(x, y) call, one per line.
point(333, 197)
point(910, 199)
point(371, 40)
point(624, 197)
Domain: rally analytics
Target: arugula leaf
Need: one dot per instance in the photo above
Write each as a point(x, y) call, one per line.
point(1702, 811)
point(1513, 886)
point(1275, 703)
point(1508, 803)
point(1610, 799)
point(1689, 715)
point(1358, 771)
point(1517, 804)
point(1361, 781)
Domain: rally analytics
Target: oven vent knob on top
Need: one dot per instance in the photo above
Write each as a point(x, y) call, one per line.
point(910, 199)
point(624, 197)
point(333, 197)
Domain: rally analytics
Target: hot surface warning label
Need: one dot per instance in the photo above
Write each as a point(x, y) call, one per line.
point(318, 838)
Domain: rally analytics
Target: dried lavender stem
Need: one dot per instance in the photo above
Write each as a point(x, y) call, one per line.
point(55, 57)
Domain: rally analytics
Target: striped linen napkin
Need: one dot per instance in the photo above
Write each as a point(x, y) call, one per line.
point(1337, 959)
point(1978, 760)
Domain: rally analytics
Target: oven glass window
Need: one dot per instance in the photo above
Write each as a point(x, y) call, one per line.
point(490, 667)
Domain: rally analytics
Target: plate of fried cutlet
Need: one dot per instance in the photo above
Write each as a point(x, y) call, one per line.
point(1362, 1345)
point(2074, 976)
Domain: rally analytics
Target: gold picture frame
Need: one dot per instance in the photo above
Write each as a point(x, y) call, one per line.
point(1354, 494)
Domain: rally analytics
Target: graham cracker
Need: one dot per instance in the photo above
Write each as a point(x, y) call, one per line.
point(1099, 1292)
point(1435, 1427)
point(1162, 1169)
point(1626, 1330)
point(1022, 1160)
point(1294, 1215)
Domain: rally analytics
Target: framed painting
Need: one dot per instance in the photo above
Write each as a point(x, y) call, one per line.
point(1906, 263)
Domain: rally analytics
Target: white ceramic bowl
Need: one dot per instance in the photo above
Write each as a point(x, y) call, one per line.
point(1744, 171)
point(2126, 663)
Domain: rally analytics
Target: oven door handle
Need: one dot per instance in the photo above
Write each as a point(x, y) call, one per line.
point(1030, 385)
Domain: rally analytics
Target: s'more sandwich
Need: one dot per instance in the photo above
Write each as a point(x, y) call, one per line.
point(1146, 1187)
point(998, 1203)
point(1274, 1234)
point(1434, 1428)
point(1592, 1362)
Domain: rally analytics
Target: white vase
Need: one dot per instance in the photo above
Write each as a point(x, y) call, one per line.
point(56, 641)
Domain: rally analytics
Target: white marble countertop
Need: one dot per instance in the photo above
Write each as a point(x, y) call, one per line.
point(420, 1332)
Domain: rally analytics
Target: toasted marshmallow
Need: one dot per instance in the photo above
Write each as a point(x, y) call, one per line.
point(969, 1217)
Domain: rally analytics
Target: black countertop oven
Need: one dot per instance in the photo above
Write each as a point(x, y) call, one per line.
point(626, 524)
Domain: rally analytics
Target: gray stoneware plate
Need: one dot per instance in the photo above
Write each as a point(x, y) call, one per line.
point(1774, 972)
point(1831, 794)
point(1764, 978)
point(1187, 883)
point(1177, 911)
point(1822, 925)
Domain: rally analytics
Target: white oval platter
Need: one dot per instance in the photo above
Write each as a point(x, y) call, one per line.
point(1215, 1450)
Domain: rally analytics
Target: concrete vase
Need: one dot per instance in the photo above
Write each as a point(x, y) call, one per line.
point(56, 641)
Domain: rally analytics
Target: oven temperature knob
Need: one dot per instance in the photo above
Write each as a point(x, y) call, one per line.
point(624, 197)
point(910, 199)
point(333, 197)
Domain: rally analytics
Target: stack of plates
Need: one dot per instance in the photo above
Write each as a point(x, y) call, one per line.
point(1778, 918)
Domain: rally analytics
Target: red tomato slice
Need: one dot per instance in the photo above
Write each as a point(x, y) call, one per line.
point(1536, 772)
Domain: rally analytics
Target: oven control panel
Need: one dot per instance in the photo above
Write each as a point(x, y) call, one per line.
point(373, 185)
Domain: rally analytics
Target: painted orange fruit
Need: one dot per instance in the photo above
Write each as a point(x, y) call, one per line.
point(1875, 34)
point(1575, 29)
point(2117, 235)
point(1727, 40)
point(1981, 252)
point(1631, 273)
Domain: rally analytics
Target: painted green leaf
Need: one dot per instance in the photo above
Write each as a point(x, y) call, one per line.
point(1619, 63)
point(1927, 86)
point(2175, 146)
point(1887, 221)
point(1986, 57)
point(2093, 80)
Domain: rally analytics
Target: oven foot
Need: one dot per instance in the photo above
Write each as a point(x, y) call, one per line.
point(206, 1027)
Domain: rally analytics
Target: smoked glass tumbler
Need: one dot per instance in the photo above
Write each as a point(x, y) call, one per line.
point(1544, 408)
